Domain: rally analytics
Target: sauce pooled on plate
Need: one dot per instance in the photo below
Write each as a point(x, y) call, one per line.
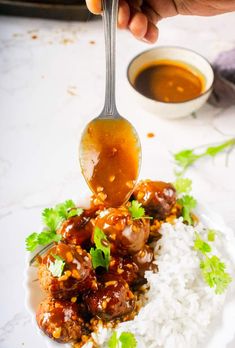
point(169, 81)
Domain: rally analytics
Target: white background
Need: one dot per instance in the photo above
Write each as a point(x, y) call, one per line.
point(49, 88)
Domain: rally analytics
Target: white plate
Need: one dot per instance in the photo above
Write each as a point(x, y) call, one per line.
point(221, 333)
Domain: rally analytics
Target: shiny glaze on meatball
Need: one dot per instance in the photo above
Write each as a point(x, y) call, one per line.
point(144, 260)
point(157, 197)
point(113, 298)
point(60, 320)
point(124, 267)
point(126, 236)
point(77, 276)
point(78, 229)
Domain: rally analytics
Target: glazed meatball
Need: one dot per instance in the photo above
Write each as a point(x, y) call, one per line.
point(77, 275)
point(124, 267)
point(78, 229)
point(126, 236)
point(157, 197)
point(113, 299)
point(60, 320)
point(144, 260)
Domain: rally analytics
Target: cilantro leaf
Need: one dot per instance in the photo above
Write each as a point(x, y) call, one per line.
point(57, 267)
point(186, 158)
point(127, 340)
point(98, 258)
point(183, 185)
point(113, 341)
point(51, 218)
point(100, 255)
point(43, 238)
point(32, 241)
point(68, 209)
point(200, 245)
point(188, 203)
point(213, 272)
point(136, 210)
point(211, 235)
point(74, 212)
point(214, 150)
point(46, 237)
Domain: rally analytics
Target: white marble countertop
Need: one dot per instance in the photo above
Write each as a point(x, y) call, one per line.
point(51, 84)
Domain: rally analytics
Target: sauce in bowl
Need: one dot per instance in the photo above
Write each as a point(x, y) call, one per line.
point(170, 81)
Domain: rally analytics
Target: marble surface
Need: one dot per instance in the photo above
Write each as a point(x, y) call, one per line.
point(52, 83)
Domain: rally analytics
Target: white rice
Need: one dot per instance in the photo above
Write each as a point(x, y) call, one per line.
point(180, 306)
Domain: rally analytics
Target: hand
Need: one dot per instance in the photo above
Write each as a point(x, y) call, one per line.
point(142, 16)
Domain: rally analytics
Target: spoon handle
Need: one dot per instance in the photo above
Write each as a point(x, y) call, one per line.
point(110, 8)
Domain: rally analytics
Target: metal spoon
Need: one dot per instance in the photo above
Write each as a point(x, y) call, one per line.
point(110, 151)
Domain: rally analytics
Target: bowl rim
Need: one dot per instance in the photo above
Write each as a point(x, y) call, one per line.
point(209, 89)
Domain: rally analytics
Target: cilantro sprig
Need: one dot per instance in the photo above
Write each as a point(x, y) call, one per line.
point(57, 267)
point(100, 255)
point(200, 245)
point(185, 158)
point(125, 340)
point(52, 218)
point(137, 211)
point(213, 270)
point(183, 185)
point(211, 235)
point(68, 209)
point(188, 203)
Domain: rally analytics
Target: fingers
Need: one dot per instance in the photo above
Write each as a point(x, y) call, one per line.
point(123, 14)
point(140, 19)
point(138, 25)
point(151, 35)
point(152, 16)
point(94, 6)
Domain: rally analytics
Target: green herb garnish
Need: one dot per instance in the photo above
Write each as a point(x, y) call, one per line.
point(32, 241)
point(101, 254)
point(186, 158)
point(113, 341)
point(188, 203)
point(211, 235)
point(57, 267)
point(137, 211)
point(213, 272)
point(200, 245)
point(43, 238)
point(52, 218)
point(125, 340)
point(68, 209)
point(183, 185)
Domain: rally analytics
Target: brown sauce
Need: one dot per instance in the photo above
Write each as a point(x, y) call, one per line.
point(110, 159)
point(169, 81)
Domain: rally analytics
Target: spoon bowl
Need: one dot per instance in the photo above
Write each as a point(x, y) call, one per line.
point(110, 151)
point(110, 156)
